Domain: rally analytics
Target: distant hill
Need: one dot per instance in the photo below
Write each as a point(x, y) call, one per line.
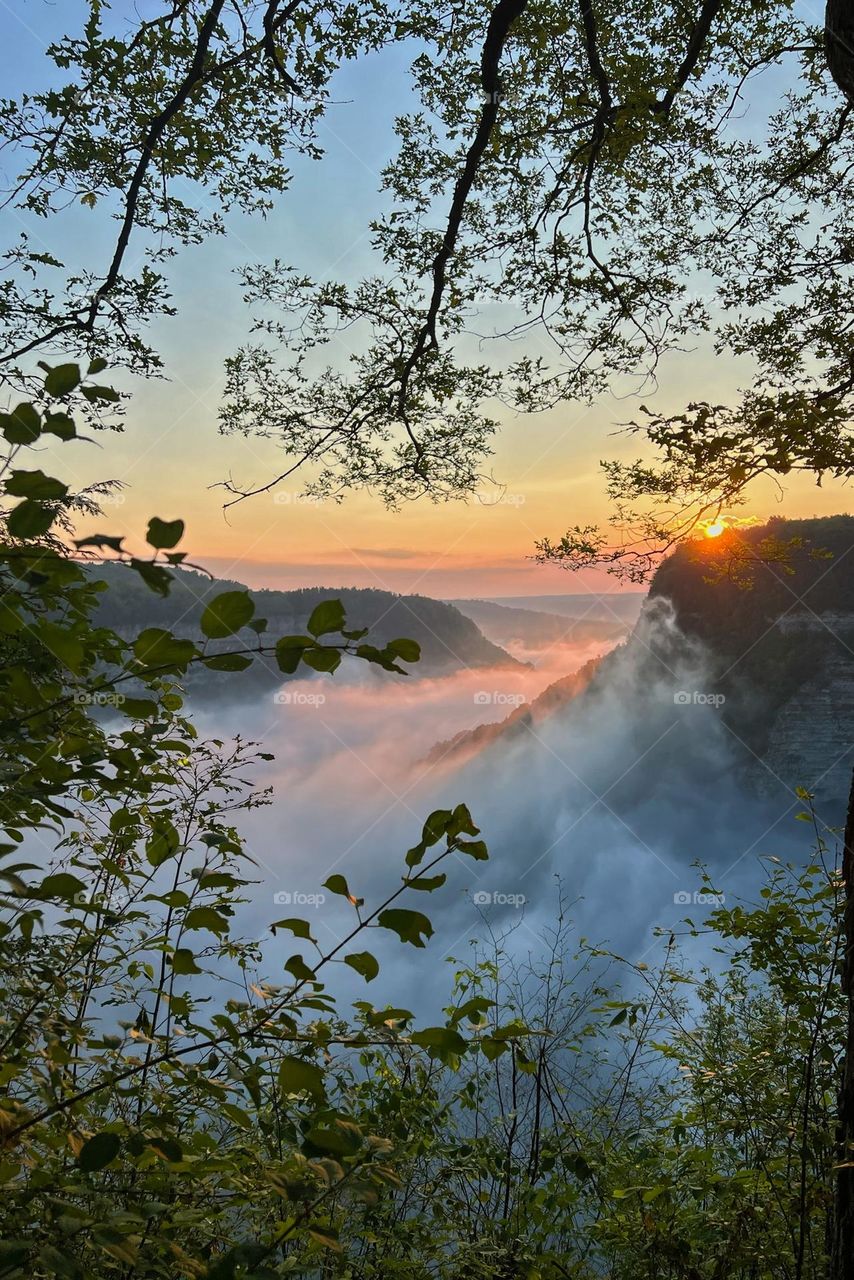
point(605, 606)
point(448, 639)
point(534, 629)
point(777, 644)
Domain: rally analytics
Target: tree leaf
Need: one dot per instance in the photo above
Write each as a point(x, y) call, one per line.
point(227, 613)
point(410, 926)
point(364, 963)
point(99, 1151)
point(164, 534)
point(22, 426)
point(298, 1075)
point(328, 616)
point(183, 961)
point(35, 484)
point(299, 928)
point(30, 519)
point(62, 379)
point(407, 650)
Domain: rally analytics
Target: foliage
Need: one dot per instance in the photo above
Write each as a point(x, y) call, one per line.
point(584, 169)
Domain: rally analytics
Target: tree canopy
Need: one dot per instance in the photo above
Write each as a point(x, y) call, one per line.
point(631, 179)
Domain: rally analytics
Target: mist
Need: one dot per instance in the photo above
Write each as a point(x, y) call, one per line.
point(611, 801)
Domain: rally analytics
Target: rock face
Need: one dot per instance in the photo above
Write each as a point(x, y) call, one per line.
point(811, 740)
point(774, 606)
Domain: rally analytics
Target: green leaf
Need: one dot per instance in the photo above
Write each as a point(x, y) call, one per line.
point(30, 519)
point(298, 969)
point(63, 644)
point(22, 426)
point(35, 484)
point(227, 613)
point(298, 1075)
point(183, 961)
point(325, 1236)
point(59, 424)
point(167, 1148)
point(163, 843)
point(99, 1151)
point(100, 540)
point(138, 708)
point(155, 647)
point(322, 659)
point(426, 883)
point(228, 662)
point(299, 928)
point(101, 395)
point(440, 1042)
point(62, 379)
point(206, 918)
point(342, 1138)
point(164, 534)
point(337, 884)
point(289, 652)
point(410, 926)
point(475, 849)
point(364, 963)
point(328, 616)
point(155, 577)
point(407, 650)
point(61, 885)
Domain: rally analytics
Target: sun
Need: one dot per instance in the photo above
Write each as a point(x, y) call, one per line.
point(715, 529)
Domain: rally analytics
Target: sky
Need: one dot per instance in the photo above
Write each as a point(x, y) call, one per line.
point(171, 457)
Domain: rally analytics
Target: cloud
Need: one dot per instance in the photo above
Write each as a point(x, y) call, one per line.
point(395, 553)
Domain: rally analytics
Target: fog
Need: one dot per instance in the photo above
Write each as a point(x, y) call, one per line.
point(615, 797)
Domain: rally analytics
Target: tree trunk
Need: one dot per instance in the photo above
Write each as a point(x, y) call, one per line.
point(839, 44)
point(842, 1264)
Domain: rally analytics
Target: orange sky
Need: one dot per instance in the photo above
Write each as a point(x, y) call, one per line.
point(171, 453)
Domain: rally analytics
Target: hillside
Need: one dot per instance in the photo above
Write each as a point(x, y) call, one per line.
point(773, 638)
point(534, 628)
point(448, 639)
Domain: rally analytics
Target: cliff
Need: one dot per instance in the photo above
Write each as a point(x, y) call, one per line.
point(757, 626)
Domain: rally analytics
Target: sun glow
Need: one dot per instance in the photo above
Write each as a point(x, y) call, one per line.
point(715, 529)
